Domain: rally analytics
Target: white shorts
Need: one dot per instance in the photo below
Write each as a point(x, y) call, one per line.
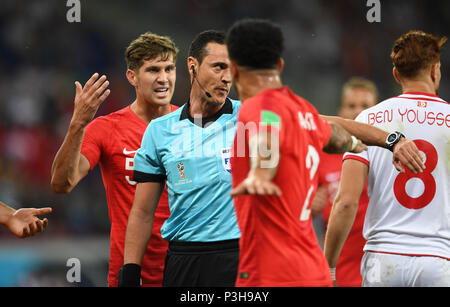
point(388, 270)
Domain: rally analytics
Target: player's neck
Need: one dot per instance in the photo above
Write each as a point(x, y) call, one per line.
point(148, 111)
point(419, 86)
point(254, 82)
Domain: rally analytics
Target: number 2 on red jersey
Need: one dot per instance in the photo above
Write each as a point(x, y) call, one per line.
point(427, 178)
point(312, 163)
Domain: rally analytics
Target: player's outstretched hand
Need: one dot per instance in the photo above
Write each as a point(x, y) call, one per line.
point(256, 185)
point(406, 153)
point(89, 98)
point(25, 223)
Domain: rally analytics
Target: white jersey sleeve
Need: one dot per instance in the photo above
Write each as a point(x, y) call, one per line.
point(409, 214)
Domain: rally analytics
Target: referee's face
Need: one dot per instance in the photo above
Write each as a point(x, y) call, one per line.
point(215, 73)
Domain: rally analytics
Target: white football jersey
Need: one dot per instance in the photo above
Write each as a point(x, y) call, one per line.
point(409, 214)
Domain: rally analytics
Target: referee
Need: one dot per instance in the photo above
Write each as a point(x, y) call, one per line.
point(189, 149)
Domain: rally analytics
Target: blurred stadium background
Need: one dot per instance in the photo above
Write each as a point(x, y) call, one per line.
point(41, 55)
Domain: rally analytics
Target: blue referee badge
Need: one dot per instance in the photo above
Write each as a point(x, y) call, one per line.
point(226, 156)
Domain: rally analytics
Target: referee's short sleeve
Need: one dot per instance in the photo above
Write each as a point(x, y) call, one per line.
point(147, 164)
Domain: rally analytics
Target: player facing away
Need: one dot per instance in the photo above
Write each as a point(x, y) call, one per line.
point(407, 224)
point(191, 153)
point(275, 159)
point(23, 222)
point(113, 140)
point(358, 94)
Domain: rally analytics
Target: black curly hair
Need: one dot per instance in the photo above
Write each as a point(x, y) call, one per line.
point(255, 43)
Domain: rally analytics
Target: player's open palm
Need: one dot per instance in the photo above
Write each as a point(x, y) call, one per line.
point(255, 185)
point(89, 98)
point(25, 223)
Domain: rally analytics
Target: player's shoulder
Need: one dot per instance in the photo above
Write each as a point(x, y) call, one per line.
point(280, 100)
point(111, 118)
point(264, 99)
point(421, 96)
point(416, 99)
point(410, 100)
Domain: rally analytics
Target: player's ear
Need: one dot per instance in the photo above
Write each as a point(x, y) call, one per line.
point(234, 71)
point(131, 76)
point(396, 76)
point(434, 71)
point(280, 65)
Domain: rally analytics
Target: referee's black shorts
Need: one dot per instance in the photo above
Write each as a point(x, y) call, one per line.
point(205, 264)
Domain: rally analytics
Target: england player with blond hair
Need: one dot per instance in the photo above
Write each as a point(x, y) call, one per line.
point(407, 224)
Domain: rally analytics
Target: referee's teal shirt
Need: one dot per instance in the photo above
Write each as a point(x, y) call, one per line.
point(194, 159)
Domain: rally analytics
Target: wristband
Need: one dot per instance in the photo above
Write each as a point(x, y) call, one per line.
point(354, 142)
point(130, 275)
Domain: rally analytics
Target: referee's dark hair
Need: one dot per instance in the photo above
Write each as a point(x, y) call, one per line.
point(255, 43)
point(197, 49)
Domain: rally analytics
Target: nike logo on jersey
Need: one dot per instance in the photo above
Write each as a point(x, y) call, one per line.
point(126, 152)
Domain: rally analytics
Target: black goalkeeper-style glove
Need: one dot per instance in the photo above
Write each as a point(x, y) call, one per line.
point(130, 275)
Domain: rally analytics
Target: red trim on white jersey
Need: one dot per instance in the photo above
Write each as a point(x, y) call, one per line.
point(358, 158)
point(411, 255)
point(421, 96)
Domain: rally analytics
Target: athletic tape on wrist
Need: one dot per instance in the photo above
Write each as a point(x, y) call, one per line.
point(354, 142)
point(333, 273)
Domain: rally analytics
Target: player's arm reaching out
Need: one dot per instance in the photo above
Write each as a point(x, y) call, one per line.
point(265, 156)
point(23, 222)
point(139, 230)
point(69, 165)
point(264, 167)
point(341, 141)
point(405, 151)
point(345, 207)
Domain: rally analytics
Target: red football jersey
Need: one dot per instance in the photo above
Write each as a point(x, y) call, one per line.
point(112, 141)
point(349, 263)
point(278, 245)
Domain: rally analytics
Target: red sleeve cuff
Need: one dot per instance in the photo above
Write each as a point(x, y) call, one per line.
point(358, 158)
point(90, 156)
